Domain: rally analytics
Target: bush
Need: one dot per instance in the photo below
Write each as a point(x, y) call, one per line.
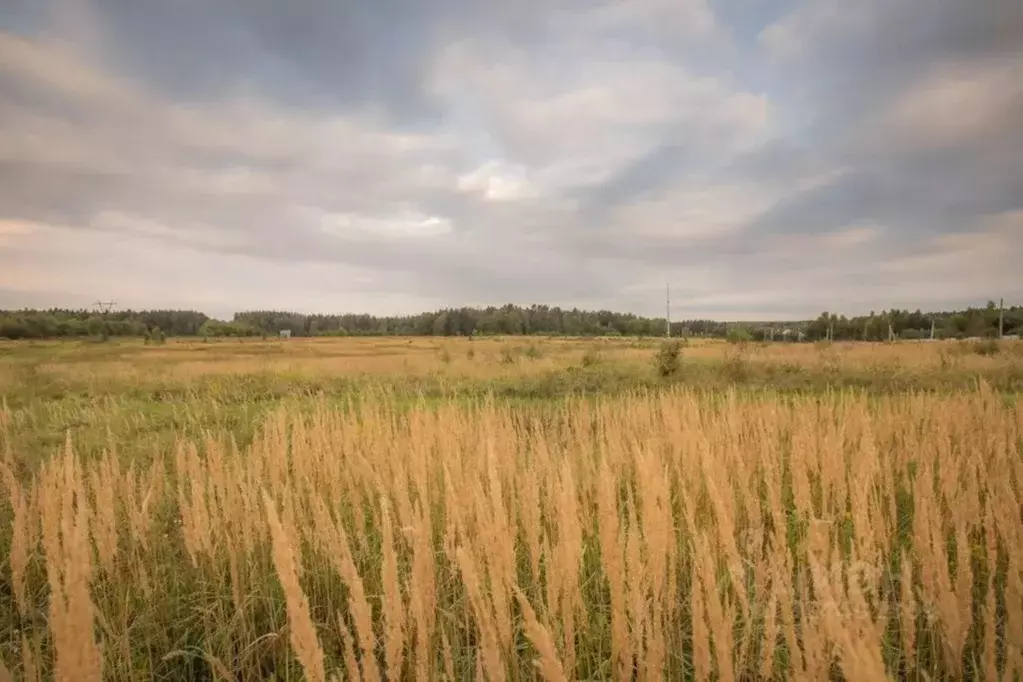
point(950, 360)
point(668, 360)
point(591, 357)
point(736, 367)
point(831, 362)
point(533, 352)
point(986, 347)
point(739, 335)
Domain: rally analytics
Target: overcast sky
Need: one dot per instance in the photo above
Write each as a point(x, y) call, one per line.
point(768, 158)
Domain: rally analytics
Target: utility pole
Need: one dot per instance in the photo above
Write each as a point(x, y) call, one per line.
point(932, 329)
point(667, 310)
point(1001, 316)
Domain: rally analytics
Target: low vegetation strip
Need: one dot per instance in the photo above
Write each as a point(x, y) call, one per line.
point(146, 398)
point(673, 534)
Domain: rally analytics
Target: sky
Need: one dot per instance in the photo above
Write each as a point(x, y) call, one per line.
point(768, 159)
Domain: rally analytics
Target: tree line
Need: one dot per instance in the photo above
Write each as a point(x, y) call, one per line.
point(504, 320)
point(68, 323)
point(904, 324)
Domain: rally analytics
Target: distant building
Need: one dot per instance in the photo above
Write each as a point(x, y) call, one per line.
point(285, 333)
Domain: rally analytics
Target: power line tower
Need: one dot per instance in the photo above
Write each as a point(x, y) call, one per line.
point(104, 308)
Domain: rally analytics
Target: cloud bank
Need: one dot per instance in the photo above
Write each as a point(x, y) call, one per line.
point(768, 158)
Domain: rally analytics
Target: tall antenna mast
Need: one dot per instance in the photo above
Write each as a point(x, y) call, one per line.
point(667, 310)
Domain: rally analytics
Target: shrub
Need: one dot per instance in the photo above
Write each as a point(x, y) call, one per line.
point(949, 360)
point(533, 352)
point(739, 335)
point(591, 357)
point(668, 360)
point(736, 367)
point(830, 360)
point(987, 347)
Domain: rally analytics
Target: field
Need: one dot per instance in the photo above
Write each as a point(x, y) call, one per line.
point(510, 509)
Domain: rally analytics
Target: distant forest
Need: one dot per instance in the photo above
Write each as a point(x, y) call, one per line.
point(506, 320)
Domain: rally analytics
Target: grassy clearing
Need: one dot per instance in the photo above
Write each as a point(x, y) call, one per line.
point(144, 398)
point(400, 510)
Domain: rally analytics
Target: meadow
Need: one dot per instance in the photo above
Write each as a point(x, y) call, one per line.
point(510, 509)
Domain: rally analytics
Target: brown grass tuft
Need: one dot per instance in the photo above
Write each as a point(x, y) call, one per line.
point(303, 633)
point(549, 665)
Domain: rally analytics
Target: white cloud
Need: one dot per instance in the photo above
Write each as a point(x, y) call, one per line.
point(59, 265)
point(682, 18)
point(405, 225)
point(589, 118)
point(990, 252)
point(853, 236)
point(55, 67)
point(132, 130)
point(190, 235)
point(818, 22)
point(695, 210)
point(957, 102)
point(497, 181)
point(12, 230)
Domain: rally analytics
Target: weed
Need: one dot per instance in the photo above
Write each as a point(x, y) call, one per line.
point(986, 347)
point(668, 360)
point(736, 367)
point(950, 361)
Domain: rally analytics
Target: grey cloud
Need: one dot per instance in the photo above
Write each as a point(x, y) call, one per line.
point(567, 152)
point(314, 52)
point(329, 55)
point(846, 61)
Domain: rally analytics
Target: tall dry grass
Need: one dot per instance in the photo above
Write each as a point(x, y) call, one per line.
point(678, 535)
